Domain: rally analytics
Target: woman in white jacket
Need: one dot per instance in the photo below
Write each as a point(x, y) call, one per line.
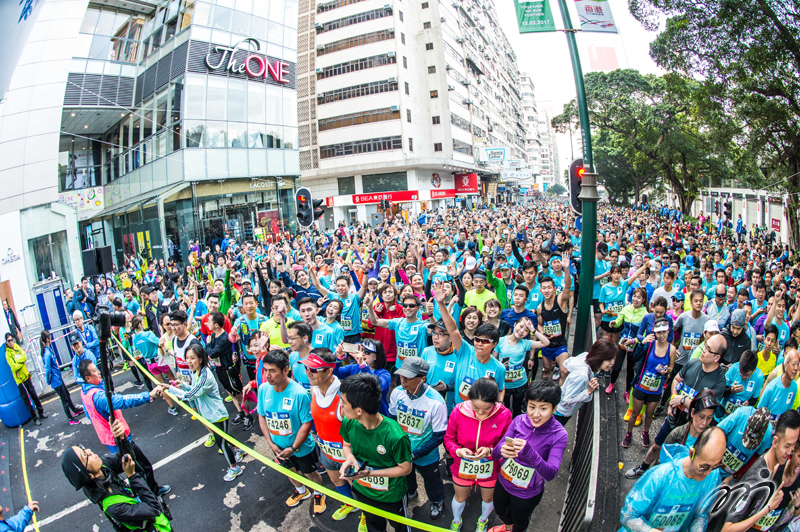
point(581, 382)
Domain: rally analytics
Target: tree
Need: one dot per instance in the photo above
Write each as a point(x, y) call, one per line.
point(748, 55)
point(556, 190)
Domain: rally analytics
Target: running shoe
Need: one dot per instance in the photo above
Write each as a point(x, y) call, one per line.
point(411, 496)
point(634, 472)
point(556, 373)
point(343, 512)
point(172, 411)
point(229, 399)
point(638, 420)
point(658, 411)
point(248, 423)
point(163, 490)
point(238, 419)
point(362, 525)
point(239, 455)
point(626, 396)
point(139, 384)
point(455, 526)
point(319, 503)
point(210, 440)
point(124, 367)
point(627, 441)
point(74, 421)
point(628, 414)
point(482, 525)
point(79, 410)
point(608, 391)
point(220, 451)
point(233, 473)
point(646, 439)
point(297, 497)
point(436, 509)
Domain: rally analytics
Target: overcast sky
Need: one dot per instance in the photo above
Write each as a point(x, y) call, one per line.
point(545, 56)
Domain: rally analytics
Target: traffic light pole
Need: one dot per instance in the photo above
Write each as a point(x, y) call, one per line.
point(588, 194)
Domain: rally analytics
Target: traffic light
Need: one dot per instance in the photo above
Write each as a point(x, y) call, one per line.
point(716, 207)
point(729, 210)
point(319, 212)
point(576, 171)
point(305, 211)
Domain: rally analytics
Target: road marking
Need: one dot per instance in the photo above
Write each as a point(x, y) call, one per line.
point(63, 513)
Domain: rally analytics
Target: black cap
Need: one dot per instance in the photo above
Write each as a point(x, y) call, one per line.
point(602, 247)
point(74, 470)
point(438, 325)
point(74, 338)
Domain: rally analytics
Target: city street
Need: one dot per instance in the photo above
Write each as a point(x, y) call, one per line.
point(254, 502)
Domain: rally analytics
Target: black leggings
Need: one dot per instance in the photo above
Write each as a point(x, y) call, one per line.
point(512, 510)
point(28, 394)
point(223, 444)
point(627, 357)
point(147, 382)
point(66, 401)
point(514, 399)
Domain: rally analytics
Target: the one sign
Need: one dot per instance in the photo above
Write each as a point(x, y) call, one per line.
point(534, 16)
point(595, 16)
point(776, 225)
point(255, 66)
point(400, 195)
point(467, 184)
point(490, 154)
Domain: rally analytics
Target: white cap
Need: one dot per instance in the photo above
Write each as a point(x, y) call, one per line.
point(711, 326)
point(470, 263)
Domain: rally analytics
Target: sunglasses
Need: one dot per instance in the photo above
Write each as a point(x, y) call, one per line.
point(482, 341)
point(315, 370)
point(410, 305)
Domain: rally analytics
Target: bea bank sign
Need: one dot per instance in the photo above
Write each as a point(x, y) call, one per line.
point(255, 66)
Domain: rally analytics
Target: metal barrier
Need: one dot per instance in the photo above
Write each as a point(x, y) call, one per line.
point(579, 503)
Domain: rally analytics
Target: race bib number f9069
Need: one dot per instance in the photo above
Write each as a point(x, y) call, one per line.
point(376, 483)
point(412, 421)
point(518, 475)
point(279, 423)
point(476, 469)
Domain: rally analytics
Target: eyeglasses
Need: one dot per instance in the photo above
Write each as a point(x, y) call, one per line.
point(706, 468)
point(483, 341)
point(439, 334)
point(713, 352)
point(292, 338)
point(410, 306)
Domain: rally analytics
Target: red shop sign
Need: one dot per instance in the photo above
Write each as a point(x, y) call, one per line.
point(436, 194)
point(400, 195)
point(467, 184)
point(329, 201)
point(776, 225)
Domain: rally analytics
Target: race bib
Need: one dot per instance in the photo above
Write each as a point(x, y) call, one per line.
point(670, 518)
point(733, 459)
point(689, 393)
point(768, 520)
point(690, 341)
point(376, 483)
point(476, 469)
point(137, 354)
point(185, 375)
point(347, 324)
point(552, 328)
point(514, 372)
point(279, 423)
point(518, 475)
point(333, 450)
point(626, 346)
point(615, 309)
point(406, 349)
point(732, 405)
point(604, 281)
point(463, 390)
point(194, 327)
point(411, 420)
point(651, 382)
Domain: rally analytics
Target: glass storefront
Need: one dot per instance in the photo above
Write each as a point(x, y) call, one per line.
point(50, 256)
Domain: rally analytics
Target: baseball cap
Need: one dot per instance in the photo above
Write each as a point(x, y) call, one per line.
point(438, 325)
point(413, 367)
point(314, 361)
point(756, 428)
point(470, 263)
point(678, 296)
point(711, 326)
point(74, 338)
point(602, 247)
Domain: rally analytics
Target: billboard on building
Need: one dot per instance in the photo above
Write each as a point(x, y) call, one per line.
point(86, 200)
point(467, 184)
point(493, 154)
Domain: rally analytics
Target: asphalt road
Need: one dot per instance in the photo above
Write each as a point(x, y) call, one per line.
point(254, 502)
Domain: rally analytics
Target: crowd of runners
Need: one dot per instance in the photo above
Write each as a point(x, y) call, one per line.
point(439, 346)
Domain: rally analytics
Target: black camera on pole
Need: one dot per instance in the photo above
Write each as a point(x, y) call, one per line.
point(106, 320)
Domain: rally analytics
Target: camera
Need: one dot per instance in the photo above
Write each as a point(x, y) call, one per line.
point(107, 319)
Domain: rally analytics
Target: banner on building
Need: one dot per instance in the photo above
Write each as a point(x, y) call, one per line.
point(776, 225)
point(595, 16)
point(534, 16)
point(516, 174)
point(400, 195)
point(467, 184)
point(86, 200)
point(492, 154)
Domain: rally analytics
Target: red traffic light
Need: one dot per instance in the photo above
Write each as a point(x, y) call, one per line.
point(581, 171)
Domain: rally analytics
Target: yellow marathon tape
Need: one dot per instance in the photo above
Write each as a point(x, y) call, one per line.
point(25, 475)
point(294, 476)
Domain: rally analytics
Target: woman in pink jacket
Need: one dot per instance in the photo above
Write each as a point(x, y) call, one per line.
point(475, 427)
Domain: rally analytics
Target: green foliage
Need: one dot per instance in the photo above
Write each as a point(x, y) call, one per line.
point(556, 189)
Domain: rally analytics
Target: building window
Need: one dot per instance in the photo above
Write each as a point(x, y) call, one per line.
point(426, 25)
point(434, 94)
point(410, 144)
point(462, 147)
point(356, 91)
point(401, 15)
point(355, 119)
point(352, 66)
point(424, 5)
point(361, 146)
point(405, 62)
point(347, 185)
point(407, 91)
point(354, 19)
point(327, 6)
point(408, 115)
point(359, 40)
point(402, 37)
point(429, 46)
point(437, 146)
point(436, 120)
point(432, 69)
point(373, 183)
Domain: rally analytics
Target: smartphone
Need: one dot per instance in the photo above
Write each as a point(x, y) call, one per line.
point(328, 261)
point(351, 472)
point(510, 441)
point(350, 348)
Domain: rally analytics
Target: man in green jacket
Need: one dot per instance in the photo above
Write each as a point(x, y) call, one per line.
point(16, 358)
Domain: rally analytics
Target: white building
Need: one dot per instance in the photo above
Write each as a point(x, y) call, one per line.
point(533, 144)
point(394, 100)
point(550, 167)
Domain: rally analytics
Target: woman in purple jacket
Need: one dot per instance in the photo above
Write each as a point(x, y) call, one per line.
point(531, 454)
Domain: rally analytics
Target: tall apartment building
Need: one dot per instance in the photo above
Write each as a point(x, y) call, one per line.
point(144, 125)
point(533, 144)
point(550, 167)
point(395, 100)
